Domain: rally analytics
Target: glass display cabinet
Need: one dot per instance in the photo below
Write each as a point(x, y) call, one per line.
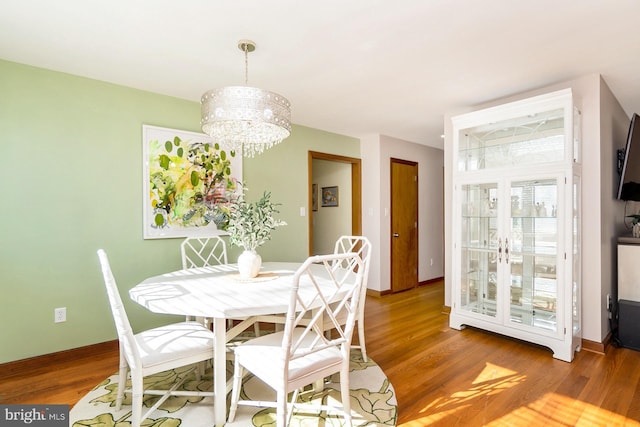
point(516, 181)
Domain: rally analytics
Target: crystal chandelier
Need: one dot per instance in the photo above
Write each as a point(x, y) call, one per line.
point(245, 119)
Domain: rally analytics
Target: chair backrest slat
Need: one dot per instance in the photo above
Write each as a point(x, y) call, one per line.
point(203, 252)
point(362, 246)
point(320, 291)
point(358, 244)
point(123, 327)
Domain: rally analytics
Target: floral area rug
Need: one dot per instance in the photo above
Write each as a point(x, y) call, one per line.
point(373, 402)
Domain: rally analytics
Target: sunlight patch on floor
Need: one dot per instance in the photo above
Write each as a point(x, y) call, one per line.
point(550, 410)
point(557, 410)
point(492, 380)
point(492, 372)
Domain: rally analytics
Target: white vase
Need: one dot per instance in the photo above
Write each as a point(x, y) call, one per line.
point(249, 263)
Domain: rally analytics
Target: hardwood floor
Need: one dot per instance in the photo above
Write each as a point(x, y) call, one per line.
point(61, 378)
point(445, 377)
point(442, 377)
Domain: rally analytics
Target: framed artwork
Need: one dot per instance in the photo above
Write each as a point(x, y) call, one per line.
point(187, 183)
point(314, 197)
point(329, 196)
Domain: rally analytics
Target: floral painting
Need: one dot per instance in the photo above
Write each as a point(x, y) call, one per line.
point(188, 183)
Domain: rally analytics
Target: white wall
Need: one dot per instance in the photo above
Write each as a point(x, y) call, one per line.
point(599, 209)
point(376, 154)
point(614, 124)
point(329, 223)
point(371, 201)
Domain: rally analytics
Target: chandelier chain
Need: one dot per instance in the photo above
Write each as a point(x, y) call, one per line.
point(246, 64)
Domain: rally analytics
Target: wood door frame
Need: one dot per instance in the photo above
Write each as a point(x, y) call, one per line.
point(356, 190)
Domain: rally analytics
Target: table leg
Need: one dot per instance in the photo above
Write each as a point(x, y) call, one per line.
point(220, 371)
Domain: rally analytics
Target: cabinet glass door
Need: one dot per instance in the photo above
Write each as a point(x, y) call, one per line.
point(533, 253)
point(530, 139)
point(479, 231)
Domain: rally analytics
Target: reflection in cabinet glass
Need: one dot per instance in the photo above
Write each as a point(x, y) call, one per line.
point(478, 246)
point(533, 253)
point(516, 261)
point(535, 138)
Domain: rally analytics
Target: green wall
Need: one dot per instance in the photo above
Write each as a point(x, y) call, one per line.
point(70, 183)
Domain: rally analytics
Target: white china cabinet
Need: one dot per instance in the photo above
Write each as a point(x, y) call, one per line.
point(516, 230)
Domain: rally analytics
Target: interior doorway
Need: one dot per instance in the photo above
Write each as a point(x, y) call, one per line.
point(404, 225)
point(340, 177)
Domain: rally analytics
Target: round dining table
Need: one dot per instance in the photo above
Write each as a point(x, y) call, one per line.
point(219, 293)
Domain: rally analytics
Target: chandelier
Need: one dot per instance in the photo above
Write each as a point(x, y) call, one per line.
point(245, 119)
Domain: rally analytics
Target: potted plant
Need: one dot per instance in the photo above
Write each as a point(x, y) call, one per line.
point(250, 225)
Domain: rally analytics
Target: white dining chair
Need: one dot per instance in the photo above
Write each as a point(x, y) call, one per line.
point(202, 252)
point(154, 350)
point(362, 246)
point(302, 354)
point(205, 252)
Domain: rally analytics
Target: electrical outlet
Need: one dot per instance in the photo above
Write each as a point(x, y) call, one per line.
point(609, 302)
point(431, 262)
point(60, 315)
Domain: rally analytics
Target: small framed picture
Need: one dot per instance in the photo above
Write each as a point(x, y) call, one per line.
point(314, 197)
point(329, 196)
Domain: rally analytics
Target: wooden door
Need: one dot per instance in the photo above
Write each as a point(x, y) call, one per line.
point(404, 225)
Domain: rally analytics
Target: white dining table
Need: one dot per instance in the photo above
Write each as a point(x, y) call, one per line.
point(217, 292)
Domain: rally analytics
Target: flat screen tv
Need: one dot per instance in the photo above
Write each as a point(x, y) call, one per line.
point(629, 164)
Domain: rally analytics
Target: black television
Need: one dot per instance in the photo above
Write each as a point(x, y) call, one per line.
point(629, 164)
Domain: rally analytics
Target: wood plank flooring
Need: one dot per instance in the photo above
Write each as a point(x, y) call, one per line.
point(445, 377)
point(442, 377)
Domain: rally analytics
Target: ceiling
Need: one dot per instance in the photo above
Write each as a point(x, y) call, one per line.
point(350, 67)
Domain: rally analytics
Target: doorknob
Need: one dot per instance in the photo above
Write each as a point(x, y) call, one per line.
point(396, 235)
